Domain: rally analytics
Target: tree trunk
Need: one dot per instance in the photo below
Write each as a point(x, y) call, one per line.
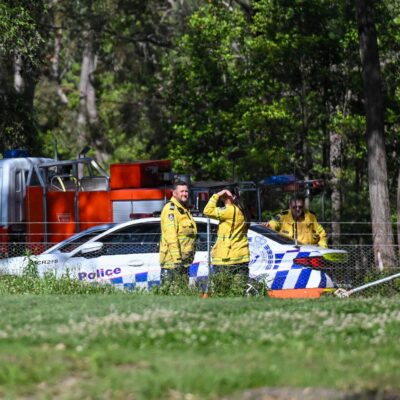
point(90, 131)
point(335, 164)
point(24, 133)
point(377, 169)
point(55, 59)
point(18, 79)
point(335, 161)
point(398, 210)
point(87, 95)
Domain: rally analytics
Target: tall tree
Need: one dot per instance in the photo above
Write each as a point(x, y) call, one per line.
point(336, 167)
point(377, 168)
point(20, 49)
point(88, 115)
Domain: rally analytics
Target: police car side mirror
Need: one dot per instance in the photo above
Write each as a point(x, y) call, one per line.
point(91, 247)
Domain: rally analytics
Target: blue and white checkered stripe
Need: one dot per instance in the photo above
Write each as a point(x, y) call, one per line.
point(146, 280)
point(300, 278)
point(284, 274)
point(142, 280)
point(295, 278)
point(287, 257)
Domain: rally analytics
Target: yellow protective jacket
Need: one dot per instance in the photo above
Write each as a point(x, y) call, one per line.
point(231, 246)
point(309, 231)
point(178, 235)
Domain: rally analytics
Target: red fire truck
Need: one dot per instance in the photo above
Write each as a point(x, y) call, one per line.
point(45, 200)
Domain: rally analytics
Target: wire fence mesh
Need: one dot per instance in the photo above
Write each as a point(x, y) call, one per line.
point(360, 267)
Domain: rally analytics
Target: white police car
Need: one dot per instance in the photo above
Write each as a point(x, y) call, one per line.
point(127, 256)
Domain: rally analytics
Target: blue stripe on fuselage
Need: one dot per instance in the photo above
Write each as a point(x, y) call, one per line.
point(303, 279)
point(279, 280)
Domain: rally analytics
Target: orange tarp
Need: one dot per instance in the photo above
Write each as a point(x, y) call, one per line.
point(298, 293)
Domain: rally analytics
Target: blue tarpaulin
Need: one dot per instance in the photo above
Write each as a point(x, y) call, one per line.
point(15, 153)
point(279, 180)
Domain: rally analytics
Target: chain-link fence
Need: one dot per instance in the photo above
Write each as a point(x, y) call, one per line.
point(365, 263)
point(360, 267)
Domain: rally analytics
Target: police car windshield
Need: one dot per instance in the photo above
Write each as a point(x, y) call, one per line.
point(78, 239)
point(270, 234)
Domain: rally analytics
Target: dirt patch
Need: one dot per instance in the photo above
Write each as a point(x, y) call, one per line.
point(312, 394)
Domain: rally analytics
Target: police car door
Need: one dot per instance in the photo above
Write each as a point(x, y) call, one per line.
point(128, 257)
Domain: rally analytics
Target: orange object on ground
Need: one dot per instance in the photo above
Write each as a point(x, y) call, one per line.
point(313, 293)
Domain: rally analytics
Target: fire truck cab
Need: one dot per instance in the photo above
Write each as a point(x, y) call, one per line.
point(14, 176)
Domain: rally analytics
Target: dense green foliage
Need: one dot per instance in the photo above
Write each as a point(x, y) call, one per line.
point(198, 80)
point(20, 45)
point(264, 84)
point(144, 347)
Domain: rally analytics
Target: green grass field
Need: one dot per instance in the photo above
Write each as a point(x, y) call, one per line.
point(144, 346)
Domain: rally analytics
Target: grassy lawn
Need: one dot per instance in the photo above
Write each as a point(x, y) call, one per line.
point(139, 346)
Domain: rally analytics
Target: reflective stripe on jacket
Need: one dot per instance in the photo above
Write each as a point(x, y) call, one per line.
point(178, 235)
point(309, 231)
point(231, 246)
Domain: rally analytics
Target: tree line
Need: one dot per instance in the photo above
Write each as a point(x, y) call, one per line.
point(309, 87)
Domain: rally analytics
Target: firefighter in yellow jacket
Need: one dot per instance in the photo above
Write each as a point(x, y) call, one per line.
point(230, 253)
point(299, 224)
point(178, 234)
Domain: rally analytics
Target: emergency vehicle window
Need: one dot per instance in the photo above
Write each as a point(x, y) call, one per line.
point(134, 239)
point(73, 244)
point(270, 234)
point(202, 239)
point(34, 179)
point(249, 198)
